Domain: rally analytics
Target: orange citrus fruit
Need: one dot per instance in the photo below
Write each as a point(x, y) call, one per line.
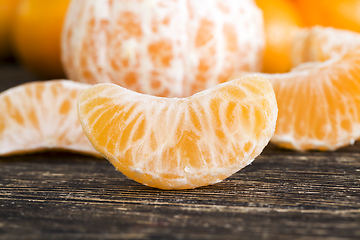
point(7, 12)
point(319, 100)
point(180, 143)
point(342, 14)
point(42, 115)
point(282, 20)
point(36, 33)
point(166, 48)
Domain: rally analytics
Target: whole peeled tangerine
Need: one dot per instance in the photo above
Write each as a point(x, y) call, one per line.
point(163, 48)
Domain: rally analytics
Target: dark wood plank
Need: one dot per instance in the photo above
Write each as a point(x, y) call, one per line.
point(282, 195)
point(309, 196)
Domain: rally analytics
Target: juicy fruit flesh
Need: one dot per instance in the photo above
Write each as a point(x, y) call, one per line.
point(318, 101)
point(163, 48)
point(42, 115)
point(180, 143)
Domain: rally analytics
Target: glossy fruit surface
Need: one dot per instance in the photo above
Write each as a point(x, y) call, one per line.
point(180, 143)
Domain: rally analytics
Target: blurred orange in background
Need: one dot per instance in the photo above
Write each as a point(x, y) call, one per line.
point(282, 20)
point(7, 12)
point(37, 24)
point(36, 36)
point(343, 14)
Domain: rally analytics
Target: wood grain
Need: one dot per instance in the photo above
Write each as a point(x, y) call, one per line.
point(282, 195)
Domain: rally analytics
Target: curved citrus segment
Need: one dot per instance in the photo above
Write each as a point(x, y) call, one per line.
point(179, 143)
point(319, 100)
point(163, 48)
point(42, 115)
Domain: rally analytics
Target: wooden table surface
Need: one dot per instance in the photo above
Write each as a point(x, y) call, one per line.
point(282, 195)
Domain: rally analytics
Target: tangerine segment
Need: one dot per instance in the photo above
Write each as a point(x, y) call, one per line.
point(180, 143)
point(42, 115)
point(319, 99)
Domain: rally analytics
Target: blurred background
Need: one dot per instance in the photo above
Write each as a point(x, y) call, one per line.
point(30, 31)
point(30, 40)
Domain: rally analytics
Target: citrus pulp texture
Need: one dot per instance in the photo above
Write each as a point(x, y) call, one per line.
point(319, 100)
point(42, 115)
point(163, 48)
point(180, 143)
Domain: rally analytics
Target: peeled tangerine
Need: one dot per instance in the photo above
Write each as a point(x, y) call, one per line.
point(42, 115)
point(163, 48)
point(180, 143)
point(319, 100)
